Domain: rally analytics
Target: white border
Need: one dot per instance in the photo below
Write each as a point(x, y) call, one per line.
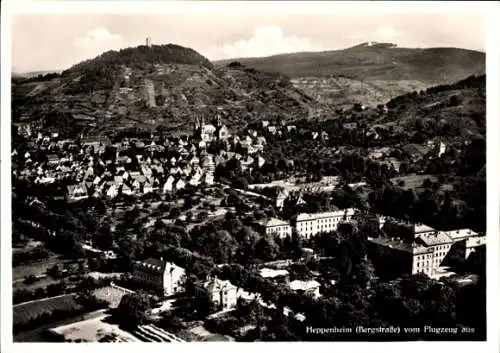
point(492, 13)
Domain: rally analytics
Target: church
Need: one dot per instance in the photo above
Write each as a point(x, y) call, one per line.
point(215, 131)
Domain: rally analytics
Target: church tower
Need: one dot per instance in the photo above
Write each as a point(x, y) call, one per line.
point(197, 124)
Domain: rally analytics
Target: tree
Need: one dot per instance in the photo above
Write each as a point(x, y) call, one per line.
point(174, 213)
point(220, 246)
point(133, 309)
point(55, 271)
point(267, 249)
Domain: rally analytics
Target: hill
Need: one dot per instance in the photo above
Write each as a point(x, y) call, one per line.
point(158, 88)
point(370, 73)
point(451, 110)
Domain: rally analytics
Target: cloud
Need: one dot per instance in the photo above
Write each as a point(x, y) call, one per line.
point(96, 41)
point(386, 33)
point(265, 41)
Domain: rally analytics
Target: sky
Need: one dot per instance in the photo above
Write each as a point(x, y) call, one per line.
point(55, 41)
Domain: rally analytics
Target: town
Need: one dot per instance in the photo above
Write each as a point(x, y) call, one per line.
point(220, 256)
point(246, 176)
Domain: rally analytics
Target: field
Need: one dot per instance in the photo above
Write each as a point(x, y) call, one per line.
point(93, 330)
point(41, 283)
point(412, 181)
point(22, 313)
point(110, 294)
point(36, 268)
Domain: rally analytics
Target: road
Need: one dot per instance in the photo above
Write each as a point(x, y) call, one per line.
point(42, 299)
point(245, 192)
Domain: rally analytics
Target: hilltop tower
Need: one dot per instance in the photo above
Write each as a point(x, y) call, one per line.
point(197, 124)
point(148, 42)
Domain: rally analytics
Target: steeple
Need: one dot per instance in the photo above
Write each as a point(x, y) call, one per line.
point(197, 124)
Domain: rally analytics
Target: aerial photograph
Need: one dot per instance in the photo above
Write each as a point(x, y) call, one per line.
point(244, 177)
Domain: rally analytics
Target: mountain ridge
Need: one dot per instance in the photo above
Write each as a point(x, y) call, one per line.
point(164, 87)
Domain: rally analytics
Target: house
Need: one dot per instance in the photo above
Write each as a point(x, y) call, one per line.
point(77, 192)
point(136, 185)
point(169, 184)
point(175, 170)
point(118, 180)
point(208, 163)
point(252, 149)
point(45, 180)
point(273, 274)
point(310, 224)
point(421, 249)
point(246, 142)
point(181, 184)
point(246, 163)
point(261, 140)
point(278, 227)
point(194, 160)
point(52, 159)
point(308, 287)
point(112, 191)
point(146, 170)
point(158, 168)
point(89, 173)
point(300, 201)
point(415, 151)
point(126, 190)
point(97, 180)
point(165, 278)
point(280, 198)
point(222, 133)
point(260, 161)
point(222, 294)
point(195, 179)
point(209, 179)
point(350, 126)
point(122, 160)
point(187, 170)
point(473, 243)
point(147, 188)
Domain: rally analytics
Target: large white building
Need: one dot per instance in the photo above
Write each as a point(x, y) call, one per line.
point(164, 277)
point(221, 293)
point(277, 227)
point(426, 250)
point(308, 224)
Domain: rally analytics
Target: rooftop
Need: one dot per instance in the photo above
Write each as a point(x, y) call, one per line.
point(313, 216)
point(304, 285)
point(422, 228)
point(270, 273)
point(274, 222)
point(400, 245)
point(436, 238)
point(461, 234)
